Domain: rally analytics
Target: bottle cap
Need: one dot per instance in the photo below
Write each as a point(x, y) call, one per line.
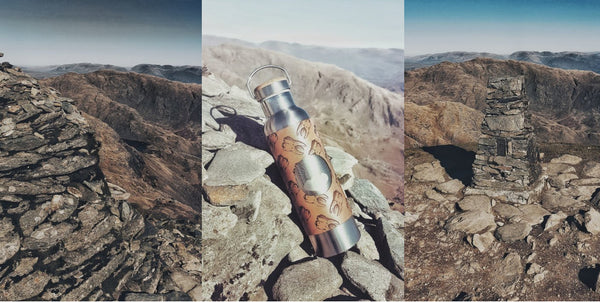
point(271, 87)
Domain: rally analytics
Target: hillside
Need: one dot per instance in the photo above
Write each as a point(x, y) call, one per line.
point(562, 102)
point(149, 129)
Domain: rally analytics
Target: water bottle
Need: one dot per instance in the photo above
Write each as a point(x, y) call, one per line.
point(308, 175)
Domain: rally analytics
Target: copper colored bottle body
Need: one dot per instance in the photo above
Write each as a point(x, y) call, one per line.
point(317, 195)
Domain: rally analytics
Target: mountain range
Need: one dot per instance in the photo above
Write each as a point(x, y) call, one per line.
point(382, 67)
point(185, 74)
point(565, 60)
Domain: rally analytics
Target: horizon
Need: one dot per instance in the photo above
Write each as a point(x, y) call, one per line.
point(124, 33)
point(501, 27)
point(502, 54)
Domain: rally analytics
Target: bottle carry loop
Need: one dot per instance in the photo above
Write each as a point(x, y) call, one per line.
point(287, 76)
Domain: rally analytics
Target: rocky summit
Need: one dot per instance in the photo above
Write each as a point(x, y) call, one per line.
point(487, 247)
point(65, 233)
point(253, 246)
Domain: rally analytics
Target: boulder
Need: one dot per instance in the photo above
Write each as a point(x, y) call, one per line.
point(313, 280)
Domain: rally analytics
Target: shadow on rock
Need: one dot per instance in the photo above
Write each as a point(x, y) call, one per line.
point(247, 129)
point(456, 161)
point(589, 276)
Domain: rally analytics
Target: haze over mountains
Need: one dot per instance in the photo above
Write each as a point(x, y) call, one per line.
point(565, 60)
point(185, 74)
point(382, 67)
point(564, 103)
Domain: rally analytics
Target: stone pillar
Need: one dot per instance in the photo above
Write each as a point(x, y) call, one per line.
point(506, 163)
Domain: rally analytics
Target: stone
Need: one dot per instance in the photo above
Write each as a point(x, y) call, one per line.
point(297, 254)
point(592, 221)
point(215, 140)
point(534, 268)
point(394, 238)
point(342, 164)
point(585, 182)
point(368, 196)
point(591, 169)
point(482, 241)
point(555, 202)
point(512, 232)
point(561, 180)
point(236, 265)
point(567, 159)
point(506, 210)
point(452, 186)
point(471, 222)
point(434, 195)
point(221, 221)
point(25, 266)
point(27, 288)
point(213, 86)
point(509, 271)
point(366, 245)
point(47, 235)
point(313, 280)
point(556, 169)
point(554, 220)
point(10, 242)
point(184, 281)
point(429, 172)
point(237, 164)
point(531, 213)
point(475, 203)
point(372, 278)
point(226, 195)
point(505, 122)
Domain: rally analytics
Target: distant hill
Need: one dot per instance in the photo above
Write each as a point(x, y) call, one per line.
point(565, 60)
point(564, 103)
point(184, 74)
point(382, 67)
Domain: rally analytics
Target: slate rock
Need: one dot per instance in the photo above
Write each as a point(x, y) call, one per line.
point(482, 241)
point(452, 186)
point(554, 220)
point(313, 280)
point(221, 221)
point(237, 164)
point(218, 139)
point(475, 203)
point(471, 222)
point(372, 278)
point(366, 245)
point(512, 232)
point(342, 164)
point(531, 213)
point(567, 159)
point(429, 172)
point(393, 238)
point(591, 169)
point(592, 221)
point(368, 196)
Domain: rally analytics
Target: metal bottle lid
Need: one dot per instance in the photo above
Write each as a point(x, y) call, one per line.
point(271, 87)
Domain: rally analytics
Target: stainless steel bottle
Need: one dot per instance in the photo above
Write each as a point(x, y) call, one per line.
point(307, 172)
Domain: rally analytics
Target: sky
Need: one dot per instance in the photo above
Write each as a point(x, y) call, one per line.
point(501, 26)
point(118, 32)
point(334, 23)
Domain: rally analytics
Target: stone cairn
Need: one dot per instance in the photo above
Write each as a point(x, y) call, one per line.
point(506, 163)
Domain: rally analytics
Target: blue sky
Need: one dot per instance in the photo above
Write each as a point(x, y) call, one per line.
point(501, 26)
point(125, 33)
point(336, 23)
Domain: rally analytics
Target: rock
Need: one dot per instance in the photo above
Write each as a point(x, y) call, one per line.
point(555, 202)
point(297, 254)
point(27, 287)
point(554, 220)
point(475, 203)
point(368, 196)
point(513, 231)
point(591, 169)
point(313, 280)
point(215, 140)
point(531, 213)
point(561, 180)
point(226, 195)
point(372, 278)
point(567, 159)
point(366, 245)
point(585, 182)
point(505, 122)
point(592, 221)
point(221, 221)
point(452, 186)
point(471, 222)
point(47, 235)
point(433, 195)
point(506, 211)
point(237, 164)
point(534, 268)
point(10, 242)
point(555, 169)
point(184, 281)
point(213, 86)
point(429, 172)
point(342, 164)
point(394, 239)
point(236, 265)
point(483, 241)
point(509, 272)
point(539, 277)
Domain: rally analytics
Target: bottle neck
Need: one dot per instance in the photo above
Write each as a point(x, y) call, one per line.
point(276, 103)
